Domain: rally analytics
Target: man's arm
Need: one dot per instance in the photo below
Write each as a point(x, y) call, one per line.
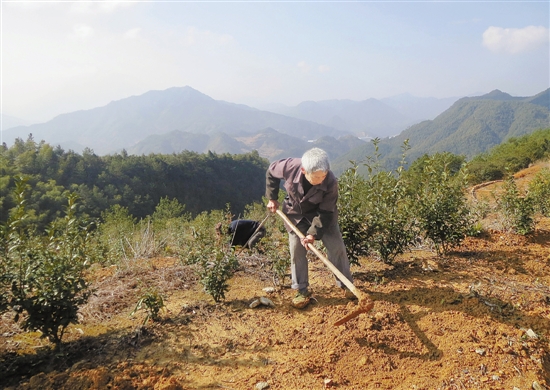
point(272, 184)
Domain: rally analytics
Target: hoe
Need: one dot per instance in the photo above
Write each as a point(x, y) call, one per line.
point(365, 303)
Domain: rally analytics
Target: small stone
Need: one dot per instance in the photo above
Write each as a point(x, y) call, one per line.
point(328, 382)
point(266, 302)
point(262, 385)
point(531, 334)
point(269, 290)
point(255, 303)
point(480, 351)
point(496, 378)
point(537, 386)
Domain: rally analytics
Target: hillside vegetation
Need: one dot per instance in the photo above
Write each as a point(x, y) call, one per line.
point(509, 157)
point(462, 302)
point(199, 181)
point(469, 127)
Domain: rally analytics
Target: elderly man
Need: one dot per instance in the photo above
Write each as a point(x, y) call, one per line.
point(310, 203)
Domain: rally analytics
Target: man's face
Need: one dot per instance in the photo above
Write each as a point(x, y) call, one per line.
point(316, 177)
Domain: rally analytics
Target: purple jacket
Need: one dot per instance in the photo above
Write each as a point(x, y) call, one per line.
point(318, 206)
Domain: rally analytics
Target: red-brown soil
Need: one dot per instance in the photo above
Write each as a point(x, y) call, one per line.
point(478, 318)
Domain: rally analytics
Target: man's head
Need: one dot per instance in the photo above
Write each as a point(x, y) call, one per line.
point(315, 165)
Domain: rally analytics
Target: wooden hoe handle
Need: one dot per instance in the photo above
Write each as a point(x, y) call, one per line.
point(325, 260)
point(365, 303)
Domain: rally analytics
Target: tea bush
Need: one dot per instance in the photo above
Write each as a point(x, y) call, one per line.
point(373, 211)
point(45, 273)
point(113, 233)
point(274, 246)
point(215, 260)
point(351, 219)
point(152, 302)
point(517, 209)
point(539, 192)
point(170, 221)
point(441, 210)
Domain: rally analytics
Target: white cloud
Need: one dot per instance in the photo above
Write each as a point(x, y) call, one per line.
point(515, 40)
point(81, 32)
point(304, 67)
point(323, 68)
point(132, 33)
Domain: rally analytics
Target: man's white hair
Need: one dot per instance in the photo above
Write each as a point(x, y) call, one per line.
point(315, 160)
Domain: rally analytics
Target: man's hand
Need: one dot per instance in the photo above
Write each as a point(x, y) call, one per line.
point(309, 239)
point(272, 205)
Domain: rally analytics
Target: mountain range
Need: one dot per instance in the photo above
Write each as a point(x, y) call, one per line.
point(371, 117)
point(472, 125)
point(182, 118)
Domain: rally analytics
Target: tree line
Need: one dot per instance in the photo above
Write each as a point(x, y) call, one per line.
point(199, 181)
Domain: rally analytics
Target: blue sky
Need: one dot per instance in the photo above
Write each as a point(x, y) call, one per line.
point(60, 57)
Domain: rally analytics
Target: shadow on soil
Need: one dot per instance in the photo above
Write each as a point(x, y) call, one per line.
point(441, 299)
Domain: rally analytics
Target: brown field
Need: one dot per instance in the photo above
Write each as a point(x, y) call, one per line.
point(478, 318)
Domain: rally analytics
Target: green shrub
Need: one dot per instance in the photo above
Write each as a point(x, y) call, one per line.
point(113, 233)
point(274, 246)
point(539, 192)
point(170, 223)
point(517, 209)
point(373, 212)
point(441, 210)
point(152, 302)
point(351, 218)
point(217, 266)
point(46, 273)
point(215, 260)
point(478, 211)
point(275, 250)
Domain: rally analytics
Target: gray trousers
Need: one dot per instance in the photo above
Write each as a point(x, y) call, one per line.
point(332, 239)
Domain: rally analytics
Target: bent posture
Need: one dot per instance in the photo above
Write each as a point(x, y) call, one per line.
point(310, 204)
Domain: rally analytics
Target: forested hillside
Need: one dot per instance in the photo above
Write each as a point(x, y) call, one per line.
point(509, 157)
point(198, 181)
point(470, 127)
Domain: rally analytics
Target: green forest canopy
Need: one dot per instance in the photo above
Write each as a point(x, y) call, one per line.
point(199, 181)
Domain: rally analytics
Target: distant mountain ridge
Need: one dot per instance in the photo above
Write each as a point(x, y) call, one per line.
point(124, 123)
point(369, 118)
point(11, 121)
point(269, 143)
point(470, 126)
point(183, 118)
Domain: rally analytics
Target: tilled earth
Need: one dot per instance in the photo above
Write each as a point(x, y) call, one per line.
point(478, 318)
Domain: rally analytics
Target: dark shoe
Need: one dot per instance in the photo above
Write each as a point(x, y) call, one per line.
point(301, 299)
